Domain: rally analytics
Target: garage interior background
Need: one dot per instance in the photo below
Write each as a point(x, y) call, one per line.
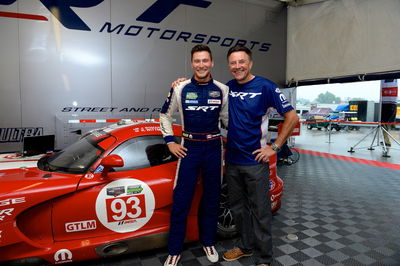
point(103, 59)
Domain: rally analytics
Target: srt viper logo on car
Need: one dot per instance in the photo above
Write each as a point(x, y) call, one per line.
point(6, 212)
point(125, 205)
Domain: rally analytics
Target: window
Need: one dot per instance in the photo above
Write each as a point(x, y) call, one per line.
point(142, 152)
point(77, 158)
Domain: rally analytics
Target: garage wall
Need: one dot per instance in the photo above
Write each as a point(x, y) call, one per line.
point(343, 38)
point(100, 59)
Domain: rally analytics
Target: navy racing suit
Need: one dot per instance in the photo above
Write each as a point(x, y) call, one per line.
point(201, 107)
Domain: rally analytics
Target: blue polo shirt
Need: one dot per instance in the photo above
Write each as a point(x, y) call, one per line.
point(248, 105)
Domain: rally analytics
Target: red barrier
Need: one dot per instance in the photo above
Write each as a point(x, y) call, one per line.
point(347, 122)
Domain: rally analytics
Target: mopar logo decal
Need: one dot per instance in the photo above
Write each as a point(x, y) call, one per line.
point(63, 256)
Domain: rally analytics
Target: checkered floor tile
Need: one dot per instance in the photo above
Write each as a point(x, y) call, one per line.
point(343, 213)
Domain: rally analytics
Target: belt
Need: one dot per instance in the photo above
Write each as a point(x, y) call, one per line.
point(201, 136)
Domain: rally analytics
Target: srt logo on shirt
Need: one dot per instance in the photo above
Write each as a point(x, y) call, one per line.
point(203, 108)
point(242, 95)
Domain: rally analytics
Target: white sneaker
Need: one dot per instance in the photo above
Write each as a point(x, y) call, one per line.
point(172, 260)
point(212, 254)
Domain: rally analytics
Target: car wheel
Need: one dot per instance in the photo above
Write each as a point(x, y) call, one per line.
point(226, 227)
point(294, 158)
point(309, 126)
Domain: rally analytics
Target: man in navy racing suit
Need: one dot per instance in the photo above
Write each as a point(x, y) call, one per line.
point(202, 102)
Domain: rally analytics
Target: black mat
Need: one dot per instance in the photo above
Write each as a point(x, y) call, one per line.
point(343, 213)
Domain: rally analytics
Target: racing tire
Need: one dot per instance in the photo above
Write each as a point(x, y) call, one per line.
point(226, 227)
point(295, 157)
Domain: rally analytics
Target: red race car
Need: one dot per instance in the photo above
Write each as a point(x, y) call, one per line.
point(110, 193)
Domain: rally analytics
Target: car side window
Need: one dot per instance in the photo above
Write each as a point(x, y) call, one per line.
point(142, 152)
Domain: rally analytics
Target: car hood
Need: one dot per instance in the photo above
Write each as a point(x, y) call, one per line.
point(26, 187)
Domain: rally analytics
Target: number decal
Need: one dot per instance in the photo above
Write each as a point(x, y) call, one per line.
point(125, 205)
point(135, 207)
point(126, 208)
point(115, 209)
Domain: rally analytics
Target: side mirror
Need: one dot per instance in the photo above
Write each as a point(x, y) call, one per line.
point(110, 162)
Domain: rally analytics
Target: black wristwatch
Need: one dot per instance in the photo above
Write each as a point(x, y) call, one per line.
point(275, 147)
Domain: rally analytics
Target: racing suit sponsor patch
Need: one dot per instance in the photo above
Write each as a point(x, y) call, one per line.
point(214, 94)
point(213, 101)
point(191, 95)
point(191, 101)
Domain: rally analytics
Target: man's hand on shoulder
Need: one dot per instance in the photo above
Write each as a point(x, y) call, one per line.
point(176, 82)
point(177, 149)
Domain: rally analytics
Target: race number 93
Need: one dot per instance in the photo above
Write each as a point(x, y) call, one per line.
point(126, 208)
point(125, 205)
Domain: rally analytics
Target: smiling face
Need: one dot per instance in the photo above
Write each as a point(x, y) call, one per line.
point(202, 65)
point(240, 65)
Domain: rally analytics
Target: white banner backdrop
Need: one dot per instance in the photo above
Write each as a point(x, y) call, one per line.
point(343, 38)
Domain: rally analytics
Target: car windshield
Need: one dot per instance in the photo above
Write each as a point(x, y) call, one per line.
point(77, 158)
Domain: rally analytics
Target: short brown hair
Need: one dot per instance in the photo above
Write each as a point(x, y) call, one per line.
point(239, 48)
point(200, 48)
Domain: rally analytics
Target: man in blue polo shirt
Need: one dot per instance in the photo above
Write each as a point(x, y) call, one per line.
point(247, 172)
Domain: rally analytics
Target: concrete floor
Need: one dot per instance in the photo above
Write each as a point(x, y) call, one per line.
point(339, 142)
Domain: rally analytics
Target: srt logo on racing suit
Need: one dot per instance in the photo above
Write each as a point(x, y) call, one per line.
point(62, 10)
point(202, 108)
point(242, 95)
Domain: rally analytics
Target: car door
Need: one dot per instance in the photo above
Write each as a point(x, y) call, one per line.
point(133, 200)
